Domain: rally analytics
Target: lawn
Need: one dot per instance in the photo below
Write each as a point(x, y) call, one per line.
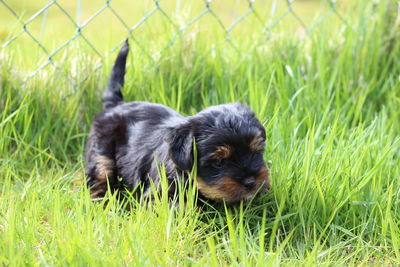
point(328, 96)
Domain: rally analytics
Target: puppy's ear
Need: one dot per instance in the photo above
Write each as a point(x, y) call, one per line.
point(181, 147)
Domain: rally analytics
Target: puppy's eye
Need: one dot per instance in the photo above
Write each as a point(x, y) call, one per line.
point(218, 163)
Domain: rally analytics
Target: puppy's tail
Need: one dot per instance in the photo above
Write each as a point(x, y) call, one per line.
point(112, 95)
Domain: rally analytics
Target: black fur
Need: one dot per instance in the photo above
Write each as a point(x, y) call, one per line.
point(130, 141)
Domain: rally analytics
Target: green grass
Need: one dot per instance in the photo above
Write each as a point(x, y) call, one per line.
point(330, 105)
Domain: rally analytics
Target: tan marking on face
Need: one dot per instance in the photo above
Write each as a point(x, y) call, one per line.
point(223, 152)
point(226, 189)
point(231, 191)
point(262, 179)
point(257, 144)
point(105, 167)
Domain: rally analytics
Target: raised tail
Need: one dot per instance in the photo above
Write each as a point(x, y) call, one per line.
point(112, 95)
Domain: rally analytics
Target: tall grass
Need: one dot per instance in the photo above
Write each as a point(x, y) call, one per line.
point(330, 105)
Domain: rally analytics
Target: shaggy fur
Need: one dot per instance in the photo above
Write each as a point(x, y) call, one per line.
point(128, 141)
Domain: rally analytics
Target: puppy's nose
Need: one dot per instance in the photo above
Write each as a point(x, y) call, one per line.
point(249, 182)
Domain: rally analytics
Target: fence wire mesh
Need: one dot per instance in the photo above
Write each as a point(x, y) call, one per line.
point(116, 20)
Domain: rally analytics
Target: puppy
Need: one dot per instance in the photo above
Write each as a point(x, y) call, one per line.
point(128, 142)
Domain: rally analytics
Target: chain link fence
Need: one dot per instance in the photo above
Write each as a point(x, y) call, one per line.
point(234, 20)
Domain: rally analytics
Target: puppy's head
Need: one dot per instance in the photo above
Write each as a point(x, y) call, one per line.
point(230, 145)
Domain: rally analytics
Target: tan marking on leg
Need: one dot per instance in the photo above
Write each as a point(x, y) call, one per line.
point(105, 167)
point(97, 193)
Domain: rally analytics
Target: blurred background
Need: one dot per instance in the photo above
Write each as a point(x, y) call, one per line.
point(43, 33)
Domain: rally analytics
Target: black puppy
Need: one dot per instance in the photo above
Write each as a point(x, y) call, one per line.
point(131, 140)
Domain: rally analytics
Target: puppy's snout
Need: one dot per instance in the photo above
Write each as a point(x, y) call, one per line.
point(249, 182)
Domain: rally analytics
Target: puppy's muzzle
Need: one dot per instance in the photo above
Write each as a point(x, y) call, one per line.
point(231, 190)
